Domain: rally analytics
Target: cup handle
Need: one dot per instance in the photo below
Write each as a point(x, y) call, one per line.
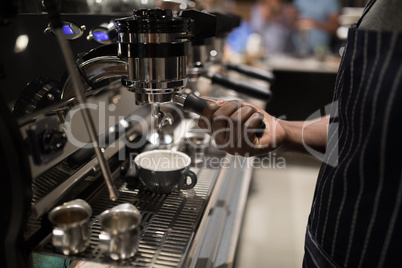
point(57, 238)
point(183, 184)
point(104, 241)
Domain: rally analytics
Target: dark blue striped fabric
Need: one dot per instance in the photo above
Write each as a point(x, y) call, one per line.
point(356, 216)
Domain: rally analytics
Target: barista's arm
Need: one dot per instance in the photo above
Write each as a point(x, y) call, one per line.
point(302, 134)
point(331, 25)
point(233, 124)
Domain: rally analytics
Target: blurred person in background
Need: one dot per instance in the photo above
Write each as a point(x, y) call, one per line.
point(274, 20)
point(317, 24)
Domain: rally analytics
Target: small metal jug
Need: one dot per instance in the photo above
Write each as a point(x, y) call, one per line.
point(71, 230)
point(120, 231)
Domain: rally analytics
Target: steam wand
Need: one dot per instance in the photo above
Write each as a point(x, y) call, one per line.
point(54, 15)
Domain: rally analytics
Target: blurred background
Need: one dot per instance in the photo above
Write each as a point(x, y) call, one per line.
point(269, 27)
point(300, 41)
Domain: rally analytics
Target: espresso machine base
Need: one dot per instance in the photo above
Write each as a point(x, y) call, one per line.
point(178, 228)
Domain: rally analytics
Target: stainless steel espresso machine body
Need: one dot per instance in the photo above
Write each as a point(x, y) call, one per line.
point(50, 155)
point(156, 46)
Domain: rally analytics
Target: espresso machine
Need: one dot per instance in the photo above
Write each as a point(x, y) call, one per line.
point(131, 88)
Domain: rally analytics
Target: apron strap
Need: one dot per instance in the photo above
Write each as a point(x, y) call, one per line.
point(366, 10)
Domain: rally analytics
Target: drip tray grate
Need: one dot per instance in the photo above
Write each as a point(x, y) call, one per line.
point(168, 225)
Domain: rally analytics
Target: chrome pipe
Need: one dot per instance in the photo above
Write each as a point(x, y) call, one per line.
point(89, 123)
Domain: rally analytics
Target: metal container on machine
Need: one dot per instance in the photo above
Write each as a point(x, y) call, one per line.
point(155, 45)
point(120, 231)
point(71, 226)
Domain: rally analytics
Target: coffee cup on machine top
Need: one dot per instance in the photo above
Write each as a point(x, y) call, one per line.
point(164, 171)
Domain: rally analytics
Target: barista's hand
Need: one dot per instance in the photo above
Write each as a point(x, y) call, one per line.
point(232, 124)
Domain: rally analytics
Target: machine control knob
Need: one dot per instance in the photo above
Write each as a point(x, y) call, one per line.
point(53, 140)
point(40, 93)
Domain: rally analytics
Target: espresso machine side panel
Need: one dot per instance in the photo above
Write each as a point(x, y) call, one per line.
point(41, 55)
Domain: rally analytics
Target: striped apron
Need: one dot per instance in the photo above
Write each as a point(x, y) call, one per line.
point(356, 215)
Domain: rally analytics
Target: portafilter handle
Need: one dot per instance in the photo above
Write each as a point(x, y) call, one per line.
point(194, 104)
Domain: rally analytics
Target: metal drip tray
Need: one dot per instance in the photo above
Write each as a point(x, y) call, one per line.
point(168, 227)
